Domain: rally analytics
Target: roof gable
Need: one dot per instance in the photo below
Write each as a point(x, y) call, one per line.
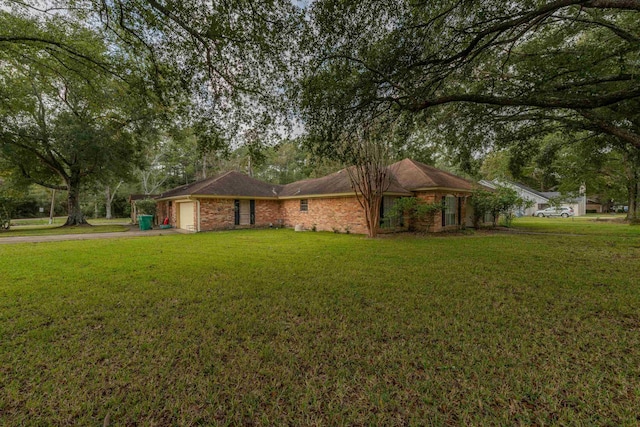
point(522, 190)
point(414, 175)
point(335, 183)
point(530, 190)
point(228, 184)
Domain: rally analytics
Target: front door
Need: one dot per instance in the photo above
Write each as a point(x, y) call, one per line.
point(245, 212)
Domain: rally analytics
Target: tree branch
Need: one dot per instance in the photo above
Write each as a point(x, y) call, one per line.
point(625, 35)
point(596, 81)
point(575, 103)
point(611, 129)
point(613, 4)
point(40, 182)
point(60, 45)
point(496, 30)
point(50, 163)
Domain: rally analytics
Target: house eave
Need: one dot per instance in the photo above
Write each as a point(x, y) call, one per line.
point(398, 194)
point(453, 189)
point(317, 196)
point(231, 196)
point(193, 197)
point(175, 199)
point(336, 195)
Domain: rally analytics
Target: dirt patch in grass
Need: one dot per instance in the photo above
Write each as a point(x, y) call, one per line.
point(613, 220)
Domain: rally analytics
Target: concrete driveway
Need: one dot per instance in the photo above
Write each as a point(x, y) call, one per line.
point(132, 232)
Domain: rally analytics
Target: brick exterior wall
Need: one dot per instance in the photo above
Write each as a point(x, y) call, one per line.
point(219, 214)
point(216, 214)
point(431, 197)
point(269, 212)
point(326, 214)
point(164, 210)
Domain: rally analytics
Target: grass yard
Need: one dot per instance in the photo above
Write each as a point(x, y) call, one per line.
point(60, 220)
point(51, 230)
point(603, 224)
point(41, 227)
point(273, 327)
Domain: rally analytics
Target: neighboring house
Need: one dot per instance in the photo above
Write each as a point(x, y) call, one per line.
point(594, 205)
point(235, 200)
point(541, 200)
point(578, 204)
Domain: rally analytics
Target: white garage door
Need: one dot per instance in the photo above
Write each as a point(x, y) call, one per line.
point(186, 216)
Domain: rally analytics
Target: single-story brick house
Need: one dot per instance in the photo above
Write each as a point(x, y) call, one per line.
point(235, 200)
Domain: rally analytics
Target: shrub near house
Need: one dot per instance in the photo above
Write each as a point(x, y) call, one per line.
point(499, 203)
point(416, 211)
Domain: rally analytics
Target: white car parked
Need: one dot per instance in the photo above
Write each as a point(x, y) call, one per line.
point(563, 212)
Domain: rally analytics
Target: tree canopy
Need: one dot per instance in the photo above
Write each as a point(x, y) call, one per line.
point(232, 58)
point(69, 120)
point(578, 55)
point(471, 76)
point(476, 75)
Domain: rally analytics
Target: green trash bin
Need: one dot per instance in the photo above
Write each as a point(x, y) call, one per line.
point(145, 222)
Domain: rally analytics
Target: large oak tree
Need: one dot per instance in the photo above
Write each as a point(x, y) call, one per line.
point(68, 119)
point(488, 66)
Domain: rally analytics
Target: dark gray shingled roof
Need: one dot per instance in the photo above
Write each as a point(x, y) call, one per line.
point(134, 197)
point(228, 184)
point(406, 175)
point(336, 183)
point(414, 175)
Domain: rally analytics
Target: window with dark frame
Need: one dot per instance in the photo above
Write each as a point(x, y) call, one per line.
point(387, 220)
point(449, 210)
point(304, 205)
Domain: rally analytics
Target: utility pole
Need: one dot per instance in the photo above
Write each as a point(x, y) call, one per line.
point(583, 193)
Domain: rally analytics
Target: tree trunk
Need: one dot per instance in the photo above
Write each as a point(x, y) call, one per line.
point(75, 215)
point(110, 195)
point(633, 214)
point(633, 188)
point(373, 215)
point(635, 219)
point(108, 202)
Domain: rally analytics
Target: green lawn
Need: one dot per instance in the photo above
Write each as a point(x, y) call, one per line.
point(273, 327)
point(60, 220)
point(41, 227)
point(604, 224)
point(51, 230)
